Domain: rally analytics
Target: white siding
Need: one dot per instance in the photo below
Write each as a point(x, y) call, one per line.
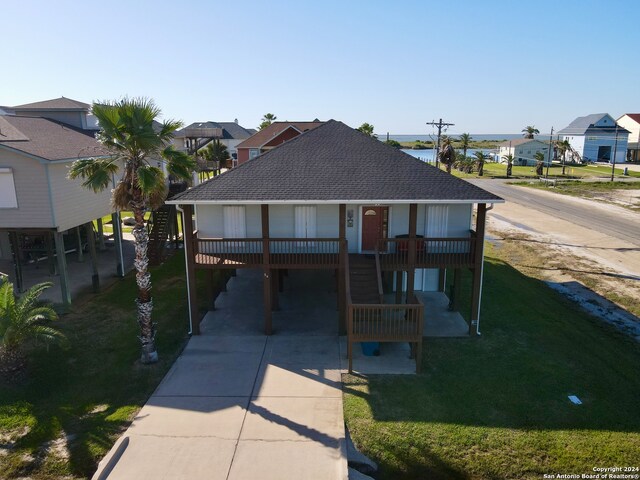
point(32, 192)
point(328, 221)
point(210, 221)
point(353, 232)
point(281, 221)
point(8, 198)
point(74, 204)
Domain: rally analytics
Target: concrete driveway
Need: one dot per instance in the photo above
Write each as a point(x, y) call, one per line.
point(240, 407)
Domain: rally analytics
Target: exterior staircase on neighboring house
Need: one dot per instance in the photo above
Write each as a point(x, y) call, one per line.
point(161, 221)
point(363, 279)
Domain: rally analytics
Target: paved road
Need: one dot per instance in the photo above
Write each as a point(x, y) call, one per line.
point(609, 220)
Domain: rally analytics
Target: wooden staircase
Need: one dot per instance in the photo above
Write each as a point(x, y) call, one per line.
point(159, 234)
point(363, 279)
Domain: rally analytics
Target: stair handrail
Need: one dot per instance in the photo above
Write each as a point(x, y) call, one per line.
point(379, 276)
point(347, 278)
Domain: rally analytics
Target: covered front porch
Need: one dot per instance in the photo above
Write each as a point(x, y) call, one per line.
point(308, 306)
point(363, 311)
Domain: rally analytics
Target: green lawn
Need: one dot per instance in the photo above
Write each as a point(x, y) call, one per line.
point(108, 227)
point(496, 406)
point(90, 392)
point(499, 170)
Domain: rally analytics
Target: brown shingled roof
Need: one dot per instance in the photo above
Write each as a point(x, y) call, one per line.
point(276, 128)
point(61, 103)
point(48, 139)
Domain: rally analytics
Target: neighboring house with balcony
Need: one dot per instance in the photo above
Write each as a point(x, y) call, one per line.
point(336, 199)
point(43, 214)
point(524, 151)
point(594, 137)
point(631, 122)
point(275, 134)
point(199, 134)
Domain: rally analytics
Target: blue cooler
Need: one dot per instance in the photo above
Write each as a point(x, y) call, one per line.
point(370, 349)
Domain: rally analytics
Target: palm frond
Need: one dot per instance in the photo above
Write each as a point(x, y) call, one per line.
point(179, 164)
point(149, 178)
point(96, 173)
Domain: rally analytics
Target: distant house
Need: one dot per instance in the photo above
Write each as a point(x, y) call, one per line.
point(631, 122)
point(42, 212)
point(229, 134)
point(524, 151)
point(593, 137)
point(338, 200)
point(272, 136)
point(70, 112)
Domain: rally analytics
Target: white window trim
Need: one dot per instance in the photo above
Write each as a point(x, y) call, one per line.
point(12, 200)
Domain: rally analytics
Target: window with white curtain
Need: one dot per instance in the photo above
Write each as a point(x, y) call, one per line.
point(235, 225)
point(436, 226)
point(305, 223)
point(8, 197)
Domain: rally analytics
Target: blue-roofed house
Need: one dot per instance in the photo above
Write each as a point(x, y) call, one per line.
point(595, 136)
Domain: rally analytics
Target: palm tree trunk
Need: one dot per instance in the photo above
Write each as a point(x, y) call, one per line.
point(143, 280)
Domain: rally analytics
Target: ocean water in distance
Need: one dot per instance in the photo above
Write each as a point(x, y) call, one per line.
point(493, 137)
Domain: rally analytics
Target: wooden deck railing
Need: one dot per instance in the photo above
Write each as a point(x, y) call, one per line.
point(430, 252)
point(228, 252)
point(304, 252)
point(283, 252)
point(383, 322)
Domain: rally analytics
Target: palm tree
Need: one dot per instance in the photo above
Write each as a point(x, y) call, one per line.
point(127, 130)
point(22, 320)
point(447, 153)
point(481, 157)
point(539, 156)
point(530, 131)
point(509, 159)
point(562, 147)
point(267, 120)
point(465, 141)
point(367, 129)
point(216, 153)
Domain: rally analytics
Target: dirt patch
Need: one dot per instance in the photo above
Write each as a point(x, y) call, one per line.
point(625, 198)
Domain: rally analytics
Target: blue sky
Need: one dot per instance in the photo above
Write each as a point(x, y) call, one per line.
point(488, 67)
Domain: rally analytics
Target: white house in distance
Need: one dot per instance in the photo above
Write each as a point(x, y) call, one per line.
point(631, 122)
point(593, 137)
point(524, 151)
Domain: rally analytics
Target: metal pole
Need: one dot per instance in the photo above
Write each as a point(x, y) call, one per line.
point(549, 153)
point(615, 148)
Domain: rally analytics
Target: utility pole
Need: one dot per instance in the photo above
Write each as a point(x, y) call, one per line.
point(439, 124)
point(549, 153)
point(615, 148)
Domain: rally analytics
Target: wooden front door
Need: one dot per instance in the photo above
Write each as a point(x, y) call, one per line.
point(374, 226)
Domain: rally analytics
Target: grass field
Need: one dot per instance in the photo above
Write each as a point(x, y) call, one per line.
point(64, 415)
point(499, 170)
point(496, 406)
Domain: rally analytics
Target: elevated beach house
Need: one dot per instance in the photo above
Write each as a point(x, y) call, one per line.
point(631, 122)
point(524, 151)
point(595, 137)
point(43, 214)
point(335, 199)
